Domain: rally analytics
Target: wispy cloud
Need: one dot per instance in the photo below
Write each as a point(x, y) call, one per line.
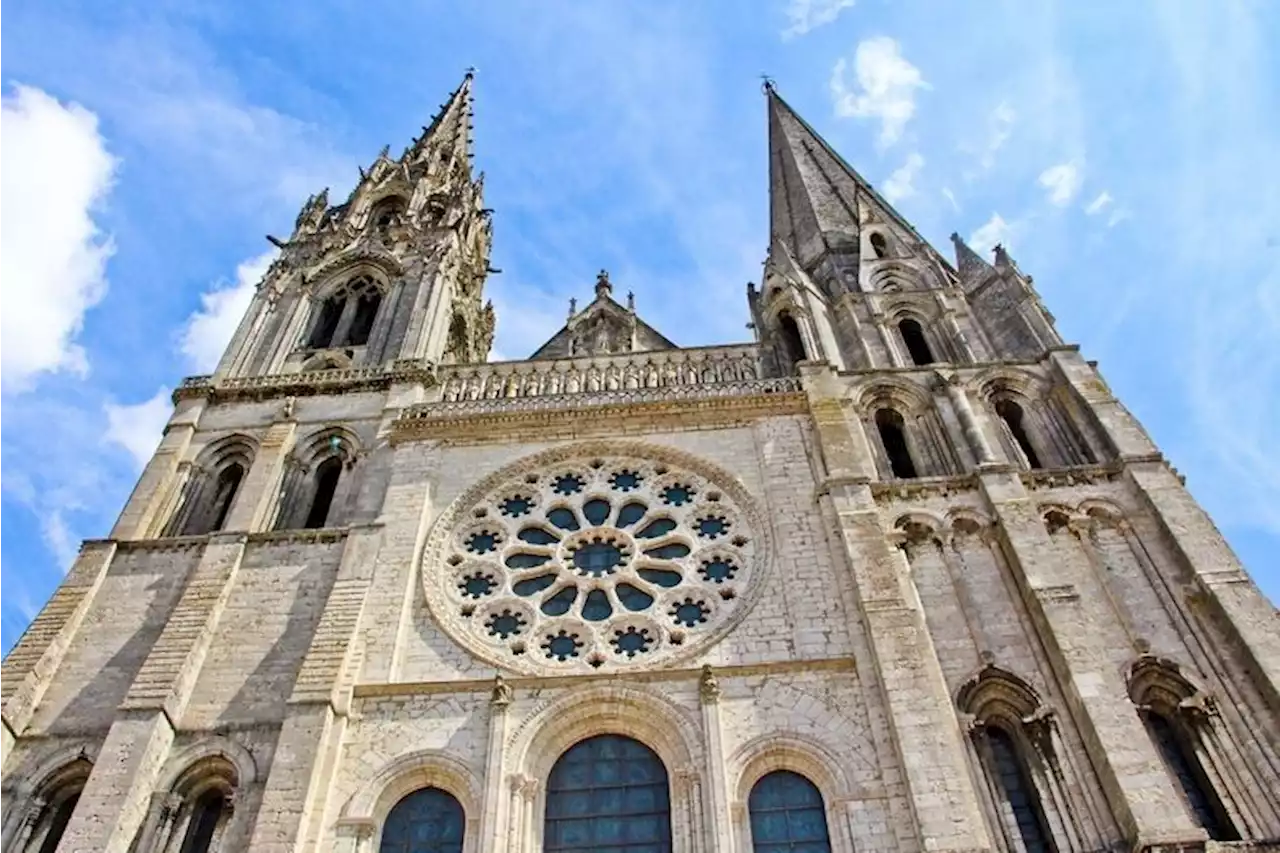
point(1100, 203)
point(991, 233)
point(137, 428)
point(56, 173)
point(1000, 127)
point(951, 199)
point(1061, 182)
point(208, 331)
point(885, 87)
point(806, 15)
point(899, 184)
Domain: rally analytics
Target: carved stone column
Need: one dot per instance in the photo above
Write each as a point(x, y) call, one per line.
point(968, 421)
point(718, 830)
point(491, 806)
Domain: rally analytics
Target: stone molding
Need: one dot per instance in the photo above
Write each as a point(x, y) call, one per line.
point(309, 383)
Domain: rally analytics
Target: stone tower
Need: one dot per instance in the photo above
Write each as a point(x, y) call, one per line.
point(899, 575)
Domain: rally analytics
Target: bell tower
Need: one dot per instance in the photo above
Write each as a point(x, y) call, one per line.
point(395, 272)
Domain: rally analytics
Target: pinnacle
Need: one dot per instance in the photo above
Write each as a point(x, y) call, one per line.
point(968, 262)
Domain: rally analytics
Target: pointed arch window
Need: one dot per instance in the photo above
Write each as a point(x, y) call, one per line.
point(428, 820)
point(879, 245)
point(792, 340)
point(326, 324)
point(787, 814)
point(327, 475)
point(208, 813)
point(366, 312)
point(52, 808)
point(893, 436)
point(917, 346)
point(224, 493)
point(1189, 776)
point(1019, 800)
point(1014, 419)
point(608, 792)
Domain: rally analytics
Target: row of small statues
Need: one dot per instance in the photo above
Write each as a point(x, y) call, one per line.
point(614, 377)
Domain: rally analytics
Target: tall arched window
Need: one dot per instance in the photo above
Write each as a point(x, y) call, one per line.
point(366, 312)
point(879, 245)
point(1019, 799)
point(792, 341)
point(894, 438)
point(913, 337)
point(326, 484)
point(1011, 413)
point(608, 793)
point(428, 820)
point(51, 809)
point(787, 814)
point(326, 323)
point(224, 492)
point(207, 815)
point(1197, 793)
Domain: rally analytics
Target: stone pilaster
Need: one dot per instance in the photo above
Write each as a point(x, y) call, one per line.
point(926, 735)
point(34, 661)
point(259, 491)
point(138, 515)
point(1138, 788)
point(491, 806)
point(719, 828)
point(115, 799)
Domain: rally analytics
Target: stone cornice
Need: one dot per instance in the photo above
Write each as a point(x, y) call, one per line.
point(310, 383)
point(604, 412)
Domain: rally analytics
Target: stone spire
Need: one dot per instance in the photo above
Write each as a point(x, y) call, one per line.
point(451, 126)
point(969, 264)
point(817, 201)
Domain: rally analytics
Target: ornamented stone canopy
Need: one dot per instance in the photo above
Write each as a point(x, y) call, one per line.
point(594, 557)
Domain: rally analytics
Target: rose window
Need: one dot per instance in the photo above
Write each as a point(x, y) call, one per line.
point(593, 562)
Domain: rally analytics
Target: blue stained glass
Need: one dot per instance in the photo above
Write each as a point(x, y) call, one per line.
point(559, 604)
point(516, 505)
point(597, 511)
point(597, 607)
point(482, 542)
point(537, 536)
point(661, 577)
point(633, 598)
point(428, 820)
point(597, 558)
point(563, 518)
point(787, 815)
point(568, 484)
point(712, 526)
point(526, 561)
point(631, 642)
point(669, 552)
point(656, 528)
point(1018, 791)
point(562, 646)
point(631, 513)
point(677, 495)
point(718, 571)
point(533, 585)
point(477, 585)
point(608, 794)
point(690, 613)
point(505, 624)
point(625, 481)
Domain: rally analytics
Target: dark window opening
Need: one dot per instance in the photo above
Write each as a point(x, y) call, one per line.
point(326, 323)
point(366, 313)
point(1010, 775)
point(1011, 413)
point(608, 793)
point(228, 484)
point(894, 437)
point(205, 816)
point(792, 342)
point(428, 820)
point(787, 814)
point(879, 246)
point(917, 346)
point(1197, 793)
point(58, 823)
point(327, 476)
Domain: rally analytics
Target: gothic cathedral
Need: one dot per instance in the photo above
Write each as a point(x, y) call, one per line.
point(898, 575)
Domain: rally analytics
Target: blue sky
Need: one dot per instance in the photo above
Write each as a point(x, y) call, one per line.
point(1125, 152)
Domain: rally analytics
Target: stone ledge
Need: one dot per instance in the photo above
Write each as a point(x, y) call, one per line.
point(310, 383)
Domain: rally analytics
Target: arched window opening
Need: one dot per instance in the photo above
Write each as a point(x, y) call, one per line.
point(326, 479)
point(206, 816)
point(792, 341)
point(366, 313)
point(228, 483)
point(917, 346)
point(1008, 773)
point(608, 793)
point(327, 322)
point(879, 245)
point(52, 822)
point(894, 438)
point(428, 819)
point(1011, 413)
point(1197, 793)
point(787, 814)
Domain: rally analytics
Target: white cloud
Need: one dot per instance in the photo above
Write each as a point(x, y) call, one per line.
point(1117, 216)
point(951, 198)
point(207, 332)
point(806, 15)
point(899, 184)
point(1062, 182)
point(56, 171)
point(1099, 204)
point(62, 541)
point(1000, 124)
point(137, 428)
point(995, 230)
point(887, 86)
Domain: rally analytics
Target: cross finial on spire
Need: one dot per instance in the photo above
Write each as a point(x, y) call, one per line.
point(603, 287)
point(768, 85)
point(573, 306)
point(471, 71)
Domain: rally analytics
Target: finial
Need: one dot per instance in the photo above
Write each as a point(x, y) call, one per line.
point(385, 152)
point(603, 287)
point(471, 72)
point(768, 83)
point(631, 302)
point(573, 305)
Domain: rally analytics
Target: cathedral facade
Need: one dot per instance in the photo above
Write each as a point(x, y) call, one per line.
point(900, 574)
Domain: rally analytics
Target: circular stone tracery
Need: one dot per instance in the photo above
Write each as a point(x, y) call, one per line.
point(585, 561)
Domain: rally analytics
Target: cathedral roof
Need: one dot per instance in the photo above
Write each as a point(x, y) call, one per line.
point(604, 326)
